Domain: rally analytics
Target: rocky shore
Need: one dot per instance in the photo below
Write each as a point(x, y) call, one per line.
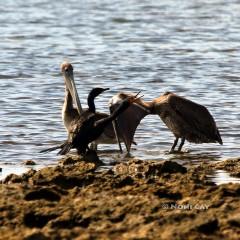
point(134, 200)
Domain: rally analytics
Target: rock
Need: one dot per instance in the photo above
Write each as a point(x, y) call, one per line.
point(71, 159)
point(165, 193)
point(148, 168)
point(13, 178)
point(29, 174)
point(29, 162)
point(124, 182)
point(231, 165)
point(36, 235)
point(38, 220)
point(234, 220)
point(137, 199)
point(90, 157)
point(42, 193)
point(208, 226)
point(172, 167)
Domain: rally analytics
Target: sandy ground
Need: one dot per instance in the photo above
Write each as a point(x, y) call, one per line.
point(134, 200)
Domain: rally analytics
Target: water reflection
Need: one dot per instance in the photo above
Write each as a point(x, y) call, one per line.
point(221, 177)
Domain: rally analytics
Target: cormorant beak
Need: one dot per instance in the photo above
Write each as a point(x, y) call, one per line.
point(105, 89)
point(70, 84)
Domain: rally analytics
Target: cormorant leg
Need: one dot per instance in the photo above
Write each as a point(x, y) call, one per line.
point(181, 144)
point(174, 145)
point(90, 156)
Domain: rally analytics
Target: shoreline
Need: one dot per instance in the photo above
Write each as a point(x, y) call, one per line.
point(134, 200)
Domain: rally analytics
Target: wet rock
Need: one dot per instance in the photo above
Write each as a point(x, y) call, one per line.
point(207, 226)
point(172, 167)
point(70, 222)
point(70, 159)
point(231, 165)
point(90, 157)
point(165, 193)
point(36, 235)
point(39, 220)
point(230, 190)
point(137, 199)
point(148, 168)
point(117, 217)
point(68, 182)
point(29, 162)
point(66, 176)
point(29, 174)
point(124, 182)
point(234, 220)
point(13, 178)
point(42, 193)
point(84, 167)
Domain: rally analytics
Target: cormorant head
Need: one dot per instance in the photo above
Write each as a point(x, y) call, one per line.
point(96, 91)
point(91, 96)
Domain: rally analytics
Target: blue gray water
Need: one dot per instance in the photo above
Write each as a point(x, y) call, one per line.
point(188, 47)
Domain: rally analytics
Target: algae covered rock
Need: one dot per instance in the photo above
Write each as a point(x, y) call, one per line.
point(148, 168)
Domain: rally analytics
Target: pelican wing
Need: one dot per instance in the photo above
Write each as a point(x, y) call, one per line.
point(196, 116)
point(128, 121)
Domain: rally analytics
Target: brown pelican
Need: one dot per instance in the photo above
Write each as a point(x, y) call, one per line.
point(88, 127)
point(187, 120)
point(87, 112)
point(70, 113)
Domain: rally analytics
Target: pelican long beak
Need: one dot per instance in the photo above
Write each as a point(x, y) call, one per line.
point(70, 84)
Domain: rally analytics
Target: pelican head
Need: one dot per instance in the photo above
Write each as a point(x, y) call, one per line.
point(67, 71)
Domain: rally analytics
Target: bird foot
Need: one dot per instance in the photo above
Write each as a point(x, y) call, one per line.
point(127, 155)
point(91, 156)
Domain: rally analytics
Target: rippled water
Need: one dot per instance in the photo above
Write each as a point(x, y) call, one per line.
point(188, 47)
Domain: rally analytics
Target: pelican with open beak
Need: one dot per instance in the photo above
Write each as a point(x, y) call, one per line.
point(187, 120)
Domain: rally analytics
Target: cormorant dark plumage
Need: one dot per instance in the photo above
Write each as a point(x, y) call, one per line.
point(88, 128)
point(84, 114)
point(70, 113)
